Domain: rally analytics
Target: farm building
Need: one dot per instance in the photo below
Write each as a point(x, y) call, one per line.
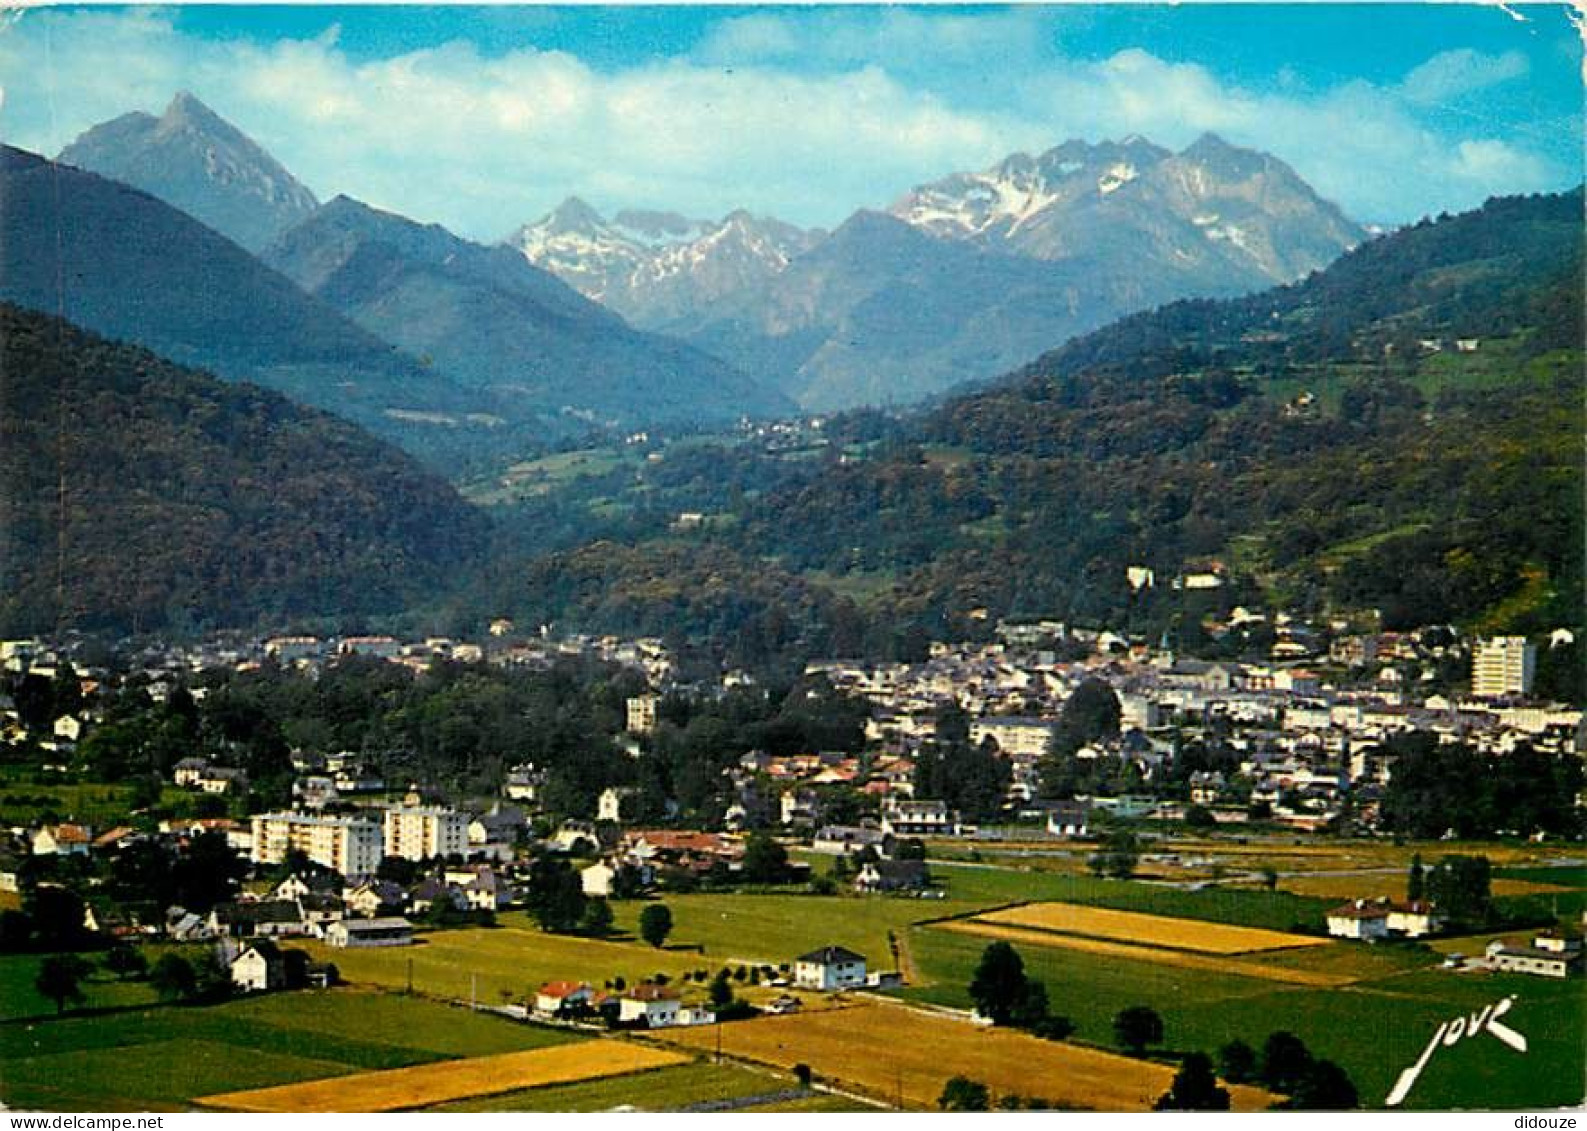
point(830, 968)
point(369, 932)
point(1549, 956)
point(1069, 819)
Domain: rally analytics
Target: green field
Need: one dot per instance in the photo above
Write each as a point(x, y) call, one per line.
point(1373, 1028)
point(19, 999)
point(34, 798)
point(505, 963)
point(775, 929)
point(163, 1058)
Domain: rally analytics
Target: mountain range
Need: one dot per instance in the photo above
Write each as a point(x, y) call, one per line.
point(961, 278)
point(1395, 439)
point(496, 324)
point(116, 261)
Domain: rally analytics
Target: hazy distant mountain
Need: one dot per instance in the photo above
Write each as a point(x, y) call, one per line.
point(178, 501)
point(494, 322)
point(123, 264)
point(962, 278)
point(193, 159)
point(659, 268)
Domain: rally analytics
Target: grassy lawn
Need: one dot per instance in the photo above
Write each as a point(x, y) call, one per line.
point(775, 929)
point(18, 998)
point(665, 1089)
point(161, 1058)
point(29, 798)
point(511, 960)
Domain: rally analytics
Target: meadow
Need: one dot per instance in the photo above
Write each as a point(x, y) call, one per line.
point(166, 1057)
point(1373, 1026)
point(905, 1056)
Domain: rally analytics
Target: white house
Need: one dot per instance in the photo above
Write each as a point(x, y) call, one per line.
point(1360, 919)
point(258, 967)
point(830, 968)
point(1069, 819)
point(597, 879)
point(920, 818)
point(614, 802)
point(554, 998)
point(1414, 919)
point(656, 1005)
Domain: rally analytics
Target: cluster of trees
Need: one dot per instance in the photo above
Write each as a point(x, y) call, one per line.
point(1436, 787)
point(1286, 1066)
point(1004, 994)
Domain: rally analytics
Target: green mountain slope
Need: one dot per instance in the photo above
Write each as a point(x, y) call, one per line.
point(119, 262)
point(138, 495)
point(1331, 445)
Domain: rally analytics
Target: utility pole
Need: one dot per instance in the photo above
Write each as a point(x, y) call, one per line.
point(473, 991)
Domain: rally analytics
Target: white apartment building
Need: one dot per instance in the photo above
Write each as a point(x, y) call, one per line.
point(423, 832)
point(642, 714)
point(349, 845)
point(1502, 665)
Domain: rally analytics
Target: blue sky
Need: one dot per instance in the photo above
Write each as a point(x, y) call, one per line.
point(484, 118)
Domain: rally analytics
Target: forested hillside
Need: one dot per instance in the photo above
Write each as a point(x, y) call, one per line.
point(139, 495)
point(1400, 432)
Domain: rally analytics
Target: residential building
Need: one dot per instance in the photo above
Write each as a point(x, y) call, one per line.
point(1501, 666)
point(349, 845)
point(920, 818)
point(830, 968)
point(642, 713)
point(425, 832)
point(560, 998)
point(258, 967)
point(657, 1006)
point(892, 875)
point(1360, 919)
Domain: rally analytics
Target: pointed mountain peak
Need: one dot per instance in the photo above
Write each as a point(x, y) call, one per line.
point(186, 108)
point(575, 214)
point(1210, 146)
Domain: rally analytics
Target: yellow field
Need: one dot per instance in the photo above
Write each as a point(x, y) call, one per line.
point(904, 1056)
point(425, 1084)
point(1186, 960)
point(1149, 930)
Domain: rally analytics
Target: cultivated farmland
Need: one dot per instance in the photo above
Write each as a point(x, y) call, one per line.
point(422, 1085)
point(1186, 960)
point(1149, 930)
point(904, 1056)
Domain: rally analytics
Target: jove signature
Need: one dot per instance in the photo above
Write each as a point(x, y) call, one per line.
point(1452, 1032)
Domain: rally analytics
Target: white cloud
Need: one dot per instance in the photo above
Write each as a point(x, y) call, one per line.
point(1452, 74)
point(806, 117)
